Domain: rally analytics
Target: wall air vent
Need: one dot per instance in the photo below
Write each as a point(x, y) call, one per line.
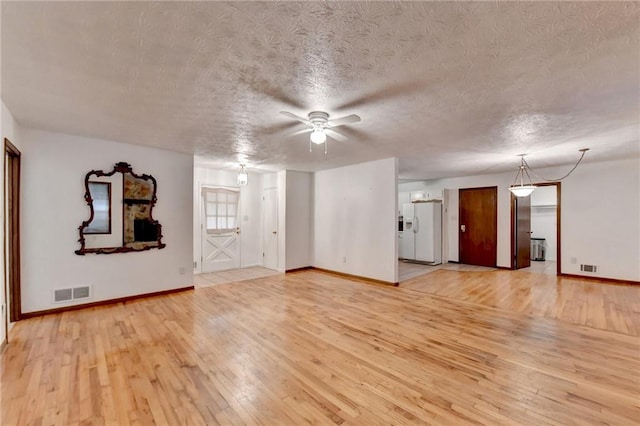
point(589, 268)
point(67, 294)
point(62, 295)
point(81, 292)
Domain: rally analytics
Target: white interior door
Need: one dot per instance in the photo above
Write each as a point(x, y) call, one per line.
point(270, 229)
point(220, 229)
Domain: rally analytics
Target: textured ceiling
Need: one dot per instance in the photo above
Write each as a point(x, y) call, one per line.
point(450, 88)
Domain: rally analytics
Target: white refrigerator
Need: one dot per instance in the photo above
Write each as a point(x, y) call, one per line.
point(422, 232)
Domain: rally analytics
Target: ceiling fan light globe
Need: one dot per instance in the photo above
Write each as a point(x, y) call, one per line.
point(522, 190)
point(318, 136)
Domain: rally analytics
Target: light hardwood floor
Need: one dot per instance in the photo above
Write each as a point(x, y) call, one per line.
point(232, 276)
point(449, 347)
point(408, 270)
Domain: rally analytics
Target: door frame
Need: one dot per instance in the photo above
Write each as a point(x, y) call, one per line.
point(11, 205)
point(558, 233)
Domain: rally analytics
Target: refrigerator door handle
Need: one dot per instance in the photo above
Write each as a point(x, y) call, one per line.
point(416, 225)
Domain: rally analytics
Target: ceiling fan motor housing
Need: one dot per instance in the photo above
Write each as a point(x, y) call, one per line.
point(319, 119)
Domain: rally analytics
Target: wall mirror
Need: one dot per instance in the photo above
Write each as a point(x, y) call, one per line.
point(121, 212)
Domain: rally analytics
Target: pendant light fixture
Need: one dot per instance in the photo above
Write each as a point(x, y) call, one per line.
point(243, 176)
point(522, 187)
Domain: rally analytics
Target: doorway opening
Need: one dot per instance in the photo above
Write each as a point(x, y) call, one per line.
point(11, 291)
point(535, 230)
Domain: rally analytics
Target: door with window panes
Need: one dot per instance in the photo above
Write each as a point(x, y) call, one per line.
point(220, 229)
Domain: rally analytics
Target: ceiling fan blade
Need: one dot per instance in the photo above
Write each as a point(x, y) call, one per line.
point(397, 90)
point(295, 117)
point(357, 135)
point(300, 132)
point(265, 88)
point(344, 120)
point(335, 135)
point(279, 128)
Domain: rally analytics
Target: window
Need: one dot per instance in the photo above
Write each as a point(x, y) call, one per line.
point(220, 209)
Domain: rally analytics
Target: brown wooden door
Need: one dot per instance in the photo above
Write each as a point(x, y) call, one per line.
point(478, 226)
point(522, 235)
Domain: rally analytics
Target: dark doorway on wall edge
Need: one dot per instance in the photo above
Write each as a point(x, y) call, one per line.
point(12, 230)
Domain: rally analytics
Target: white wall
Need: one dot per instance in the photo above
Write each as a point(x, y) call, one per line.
point(8, 129)
point(544, 218)
point(54, 166)
point(601, 219)
point(299, 219)
point(355, 220)
point(250, 213)
point(600, 210)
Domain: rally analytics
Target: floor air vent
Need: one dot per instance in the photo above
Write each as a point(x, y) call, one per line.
point(589, 268)
point(67, 294)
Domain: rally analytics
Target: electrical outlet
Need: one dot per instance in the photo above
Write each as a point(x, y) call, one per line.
point(574, 260)
point(182, 270)
point(344, 259)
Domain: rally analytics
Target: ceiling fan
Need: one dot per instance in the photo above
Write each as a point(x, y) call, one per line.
point(320, 126)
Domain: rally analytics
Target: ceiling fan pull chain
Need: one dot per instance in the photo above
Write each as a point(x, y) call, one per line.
point(325, 147)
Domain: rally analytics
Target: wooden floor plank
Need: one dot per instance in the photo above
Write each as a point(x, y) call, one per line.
point(449, 347)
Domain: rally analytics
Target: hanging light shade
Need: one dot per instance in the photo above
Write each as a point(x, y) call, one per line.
point(243, 176)
point(524, 188)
